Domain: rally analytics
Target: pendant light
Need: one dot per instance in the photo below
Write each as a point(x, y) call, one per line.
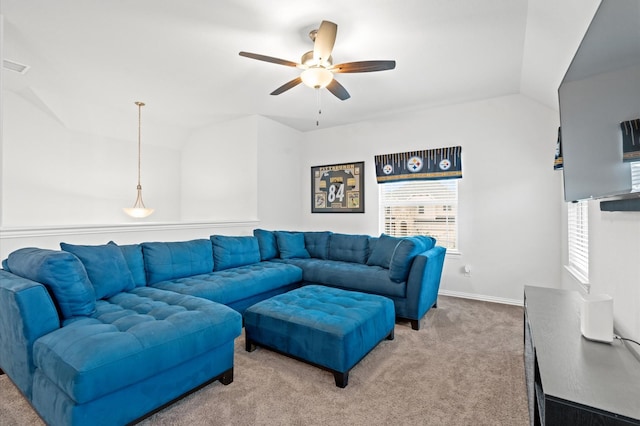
point(138, 210)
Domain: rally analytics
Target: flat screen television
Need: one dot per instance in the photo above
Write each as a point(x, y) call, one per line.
point(600, 90)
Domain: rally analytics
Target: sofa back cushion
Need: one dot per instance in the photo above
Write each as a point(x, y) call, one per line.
point(404, 253)
point(133, 256)
point(317, 244)
point(61, 273)
point(349, 248)
point(106, 268)
point(291, 245)
point(229, 252)
point(267, 243)
point(167, 261)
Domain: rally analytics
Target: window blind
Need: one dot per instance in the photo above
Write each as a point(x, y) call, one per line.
point(421, 208)
point(578, 240)
point(635, 176)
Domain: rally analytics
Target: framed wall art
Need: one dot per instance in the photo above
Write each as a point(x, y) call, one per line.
point(338, 188)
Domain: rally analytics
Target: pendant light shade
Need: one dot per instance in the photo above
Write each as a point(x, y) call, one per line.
point(138, 210)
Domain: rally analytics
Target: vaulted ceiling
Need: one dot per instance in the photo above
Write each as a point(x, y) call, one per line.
point(181, 57)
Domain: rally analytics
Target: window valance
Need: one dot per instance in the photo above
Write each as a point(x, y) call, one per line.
point(558, 163)
point(429, 164)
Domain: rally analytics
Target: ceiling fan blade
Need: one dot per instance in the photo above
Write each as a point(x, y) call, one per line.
point(287, 86)
point(338, 90)
point(325, 39)
point(364, 66)
point(269, 59)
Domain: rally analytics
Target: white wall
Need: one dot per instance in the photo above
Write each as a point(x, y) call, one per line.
point(279, 175)
point(510, 206)
point(243, 169)
point(219, 172)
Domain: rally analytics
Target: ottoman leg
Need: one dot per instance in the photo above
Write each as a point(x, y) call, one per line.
point(249, 346)
point(227, 377)
point(415, 324)
point(342, 379)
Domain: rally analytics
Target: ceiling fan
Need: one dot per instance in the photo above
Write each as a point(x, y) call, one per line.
point(318, 64)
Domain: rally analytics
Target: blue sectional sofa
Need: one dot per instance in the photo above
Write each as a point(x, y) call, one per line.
point(89, 328)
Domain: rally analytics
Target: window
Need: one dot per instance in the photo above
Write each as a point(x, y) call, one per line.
point(421, 207)
point(578, 240)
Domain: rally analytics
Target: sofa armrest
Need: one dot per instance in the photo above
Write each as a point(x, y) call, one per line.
point(27, 312)
point(424, 282)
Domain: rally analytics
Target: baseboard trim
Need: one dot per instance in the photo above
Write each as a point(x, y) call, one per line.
point(481, 297)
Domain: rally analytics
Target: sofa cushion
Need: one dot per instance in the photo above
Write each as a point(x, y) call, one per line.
point(317, 244)
point(350, 276)
point(349, 248)
point(267, 244)
point(166, 261)
point(406, 250)
point(132, 336)
point(135, 260)
point(236, 284)
point(291, 245)
point(382, 251)
point(106, 267)
point(229, 252)
point(61, 273)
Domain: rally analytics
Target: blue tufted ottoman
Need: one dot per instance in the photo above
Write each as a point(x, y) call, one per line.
point(327, 327)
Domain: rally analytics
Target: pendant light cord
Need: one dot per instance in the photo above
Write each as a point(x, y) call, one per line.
point(140, 105)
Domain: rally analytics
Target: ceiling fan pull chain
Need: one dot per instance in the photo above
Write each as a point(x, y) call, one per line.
point(319, 102)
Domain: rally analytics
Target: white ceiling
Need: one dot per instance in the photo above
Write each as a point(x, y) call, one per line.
point(181, 57)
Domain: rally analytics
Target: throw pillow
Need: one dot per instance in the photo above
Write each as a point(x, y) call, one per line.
point(429, 242)
point(61, 273)
point(406, 250)
point(383, 251)
point(167, 261)
point(133, 255)
point(267, 244)
point(229, 252)
point(291, 245)
point(106, 267)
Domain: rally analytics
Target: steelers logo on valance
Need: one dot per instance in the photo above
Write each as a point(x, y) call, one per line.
point(429, 164)
point(630, 140)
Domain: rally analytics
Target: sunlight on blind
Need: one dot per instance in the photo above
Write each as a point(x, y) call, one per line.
point(578, 234)
point(421, 208)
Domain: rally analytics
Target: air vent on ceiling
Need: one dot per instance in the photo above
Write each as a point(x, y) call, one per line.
point(14, 66)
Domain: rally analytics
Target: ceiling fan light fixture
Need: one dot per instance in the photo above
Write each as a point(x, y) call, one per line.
point(317, 64)
point(316, 77)
point(309, 61)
